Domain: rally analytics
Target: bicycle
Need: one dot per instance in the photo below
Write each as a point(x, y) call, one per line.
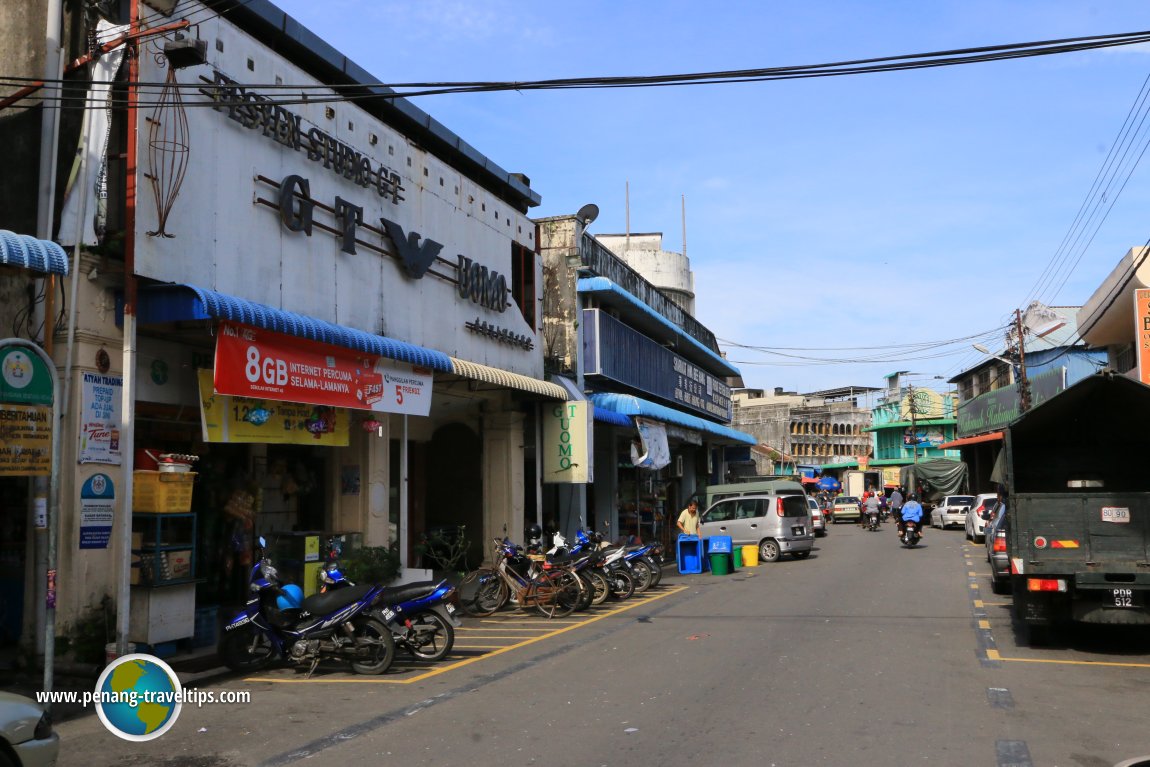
point(554, 591)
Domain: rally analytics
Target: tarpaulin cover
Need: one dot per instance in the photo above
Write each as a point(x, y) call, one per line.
point(940, 477)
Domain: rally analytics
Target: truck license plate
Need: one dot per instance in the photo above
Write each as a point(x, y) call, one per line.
point(1123, 598)
point(1115, 514)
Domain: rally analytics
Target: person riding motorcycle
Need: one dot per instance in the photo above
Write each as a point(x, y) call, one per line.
point(911, 511)
point(871, 510)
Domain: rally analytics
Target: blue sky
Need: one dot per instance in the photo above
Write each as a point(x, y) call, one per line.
point(860, 211)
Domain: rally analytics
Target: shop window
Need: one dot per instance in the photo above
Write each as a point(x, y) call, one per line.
point(523, 281)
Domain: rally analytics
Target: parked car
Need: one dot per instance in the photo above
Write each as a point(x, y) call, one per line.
point(845, 507)
point(995, 541)
point(951, 510)
point(818, 518)
point(26, 728)
point(979, 515)
point(777, 524)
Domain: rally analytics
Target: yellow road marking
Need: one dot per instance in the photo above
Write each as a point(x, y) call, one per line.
point(972, 574)
point(468, 661)
point(974, 585)
point(984, 624)
point(994, 655)
point(979, 603)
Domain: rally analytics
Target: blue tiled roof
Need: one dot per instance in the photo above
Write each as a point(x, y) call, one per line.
point(31, 253)
point(170, 303)
point(604, 285)
point(630, 405)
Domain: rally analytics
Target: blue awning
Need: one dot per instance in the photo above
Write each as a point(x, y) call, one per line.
point(604, 285)
point(630, 405)
point(173, 303)
point(30, 253)
point(603, 415)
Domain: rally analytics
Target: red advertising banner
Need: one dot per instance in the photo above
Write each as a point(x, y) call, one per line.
point(261, 364)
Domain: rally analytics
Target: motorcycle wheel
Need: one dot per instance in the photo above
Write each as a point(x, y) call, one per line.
point(656, 571)
point(587, 591)
point(373, 639)
point(431, 637)
point(246, 649)
point(622, 584)
point(643, 576)
point(482, 593)
point(602, 589)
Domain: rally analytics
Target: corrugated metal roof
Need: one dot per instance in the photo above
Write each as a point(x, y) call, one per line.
point(168, 303)
point(31, 253)
point(507, 379)
point(610, 417)
point(604, 285)
point(630, 405)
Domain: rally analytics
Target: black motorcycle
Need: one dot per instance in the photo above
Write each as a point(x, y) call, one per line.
point(910, 534)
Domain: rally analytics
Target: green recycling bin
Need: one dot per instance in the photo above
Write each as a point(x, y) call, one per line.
point(736, 558)
point(720, 563)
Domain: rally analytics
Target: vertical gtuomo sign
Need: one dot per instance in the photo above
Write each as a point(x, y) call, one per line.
point(567, 443)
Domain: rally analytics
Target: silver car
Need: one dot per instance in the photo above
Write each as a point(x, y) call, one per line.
point(27, 730)
point(777, 524)
point(951, 511)
point(996, 549)
point(818, 517)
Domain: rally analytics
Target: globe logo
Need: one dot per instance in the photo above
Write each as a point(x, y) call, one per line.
point(138, 697)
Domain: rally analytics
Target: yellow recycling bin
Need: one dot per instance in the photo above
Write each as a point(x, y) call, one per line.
point(751, 556)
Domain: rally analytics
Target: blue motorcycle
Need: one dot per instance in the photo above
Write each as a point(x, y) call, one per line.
point(278, 622)
point(421, 615)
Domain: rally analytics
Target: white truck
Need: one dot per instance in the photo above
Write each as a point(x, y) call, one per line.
point(856, 482)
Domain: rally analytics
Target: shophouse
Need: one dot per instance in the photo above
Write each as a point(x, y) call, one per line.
point(1113, 319)
point(325, 301)
point(912, 423)
point(655, 378)
point(822, 431)
point(1053, 356)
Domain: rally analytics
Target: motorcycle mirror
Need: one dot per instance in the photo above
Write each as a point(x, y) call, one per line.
point(263, 543)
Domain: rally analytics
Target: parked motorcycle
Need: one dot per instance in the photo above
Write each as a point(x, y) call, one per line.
point(910, 534)
point(277, 623)
point(420, 615)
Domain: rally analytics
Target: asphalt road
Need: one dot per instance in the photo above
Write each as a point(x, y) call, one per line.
point(864, 654)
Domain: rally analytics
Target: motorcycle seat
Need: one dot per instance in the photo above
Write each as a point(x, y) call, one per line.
point(330, 601)
point(407, 592)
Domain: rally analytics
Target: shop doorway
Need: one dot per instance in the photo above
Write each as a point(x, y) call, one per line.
point(454, 486)
point(13, 556)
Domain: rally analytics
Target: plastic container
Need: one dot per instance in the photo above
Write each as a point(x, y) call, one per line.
point(719, 544)
point(736, 558)
point(720, 563)
point(157, 492)
point(110, 653)
point(750, 555)
point(205, 630)
point(689, 554)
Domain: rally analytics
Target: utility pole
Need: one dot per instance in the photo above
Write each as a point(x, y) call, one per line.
point(1023, 381)
point(913, 421)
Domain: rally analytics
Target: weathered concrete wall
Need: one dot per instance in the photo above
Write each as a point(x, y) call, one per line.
point(558, 239)
point(22, 53)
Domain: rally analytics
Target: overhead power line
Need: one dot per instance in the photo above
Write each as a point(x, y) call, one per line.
point(351, 92)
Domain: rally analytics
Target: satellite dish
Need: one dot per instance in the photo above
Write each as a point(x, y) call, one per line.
point(588, 213)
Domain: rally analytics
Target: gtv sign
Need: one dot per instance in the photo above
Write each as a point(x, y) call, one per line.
point(567, 443)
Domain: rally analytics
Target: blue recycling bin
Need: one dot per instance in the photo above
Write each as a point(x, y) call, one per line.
point(689, 554)
point(719, 544)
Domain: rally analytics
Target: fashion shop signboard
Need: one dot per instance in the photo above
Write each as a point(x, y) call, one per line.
point(261, 364)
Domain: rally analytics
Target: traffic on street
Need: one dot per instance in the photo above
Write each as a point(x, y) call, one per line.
point(865, 653)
